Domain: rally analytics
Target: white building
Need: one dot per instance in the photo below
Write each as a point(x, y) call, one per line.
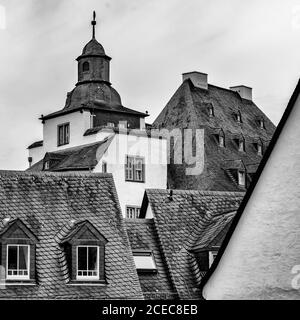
point(95, 132)
point(261, 259)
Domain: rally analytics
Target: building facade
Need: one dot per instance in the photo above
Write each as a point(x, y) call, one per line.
point(95, 132)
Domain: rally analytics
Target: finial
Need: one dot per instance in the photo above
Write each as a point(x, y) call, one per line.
point(94, 23)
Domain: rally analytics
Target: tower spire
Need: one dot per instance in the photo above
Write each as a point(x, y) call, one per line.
point(94, 23)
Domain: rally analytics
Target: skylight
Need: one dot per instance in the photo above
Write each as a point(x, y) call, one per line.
point(144, 261)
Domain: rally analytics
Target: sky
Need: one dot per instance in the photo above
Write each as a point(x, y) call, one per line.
point(151, 42)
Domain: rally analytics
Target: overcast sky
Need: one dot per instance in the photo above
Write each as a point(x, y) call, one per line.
point(255, 43)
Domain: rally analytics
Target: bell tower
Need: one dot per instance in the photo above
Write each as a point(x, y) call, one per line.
point(93, 63)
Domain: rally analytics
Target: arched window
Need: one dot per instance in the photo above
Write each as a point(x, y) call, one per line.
point(85, 66)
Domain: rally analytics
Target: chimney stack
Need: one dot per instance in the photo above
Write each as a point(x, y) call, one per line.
point(198, 79)
point(244, 91)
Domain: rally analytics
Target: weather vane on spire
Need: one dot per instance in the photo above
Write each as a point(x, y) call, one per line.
point(94, 23)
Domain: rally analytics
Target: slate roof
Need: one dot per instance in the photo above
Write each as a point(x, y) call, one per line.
point(84, 157)
point(188, 108)
point(187, 220)
point(48, 204)
point(143, 236)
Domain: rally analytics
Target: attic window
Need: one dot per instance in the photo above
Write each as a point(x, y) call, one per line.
point(144, 261)
point(85, 66)
point(87, 262)
point(238, 117)
point(18, 252)
point(241, 178)
point(211, 257)
point(47, 165)
point(211, 111)
point(221, 141)
point(262, 123)
point(241, 145)
point(85, 253)
point(259, 149)
point(104, 167)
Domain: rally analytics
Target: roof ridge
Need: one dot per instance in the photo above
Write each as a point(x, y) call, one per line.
point(201, 192)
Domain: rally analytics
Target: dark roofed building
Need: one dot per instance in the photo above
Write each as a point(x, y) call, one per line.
point(189, 226)
point(62, 236)
point(235, 129)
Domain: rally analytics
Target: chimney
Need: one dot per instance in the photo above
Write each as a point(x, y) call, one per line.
point(198, 79)
point(243, 91)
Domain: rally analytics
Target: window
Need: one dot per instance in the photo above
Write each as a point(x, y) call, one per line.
point(132, 212)
point(261, 123)
point(110, 124)
point(259, 149)
point(144, 261)
point(211, 257)
point(221, 141)
point(134, 169)
point(63, 134)
point(241, 178)
point(104, 167)
point(47, 165)
point(85, 66)
point(211, 111)
point(238, 117)
point(241, 145)
point(18, 261)
point(87, 262)
point(122, 124)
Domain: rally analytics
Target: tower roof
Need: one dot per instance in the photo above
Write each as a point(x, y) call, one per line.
point(93, 47)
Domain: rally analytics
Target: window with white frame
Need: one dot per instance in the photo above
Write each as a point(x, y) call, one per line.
point(144, 261)
point(87, 262)
point(18, 261)
point(241, 178)
point(110, 124)
point(211, 257)
point(63, 134)
point(132, 212)
point(135, 169)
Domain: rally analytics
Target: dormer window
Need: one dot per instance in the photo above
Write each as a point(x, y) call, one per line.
point(238, 117)
point(86, 67)
point(144, 261)
point(87, 262)
point(47, 165)
point(84, 248)
point(18, 262)
point(211, 111)
point(262, 123)
point(211, 257)
point(259, 149)
point(18, 252)
point(241, 145)
point(241, 178)
point(221, 141)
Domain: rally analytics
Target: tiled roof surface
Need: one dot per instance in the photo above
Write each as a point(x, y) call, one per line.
point(188, 108)
point(48, 204)
point(143, 236)
point(83, 157)
point(181, 223)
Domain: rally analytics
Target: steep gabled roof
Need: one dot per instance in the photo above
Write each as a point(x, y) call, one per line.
point(188, 108)
point(49, 204)
point(181, 220)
